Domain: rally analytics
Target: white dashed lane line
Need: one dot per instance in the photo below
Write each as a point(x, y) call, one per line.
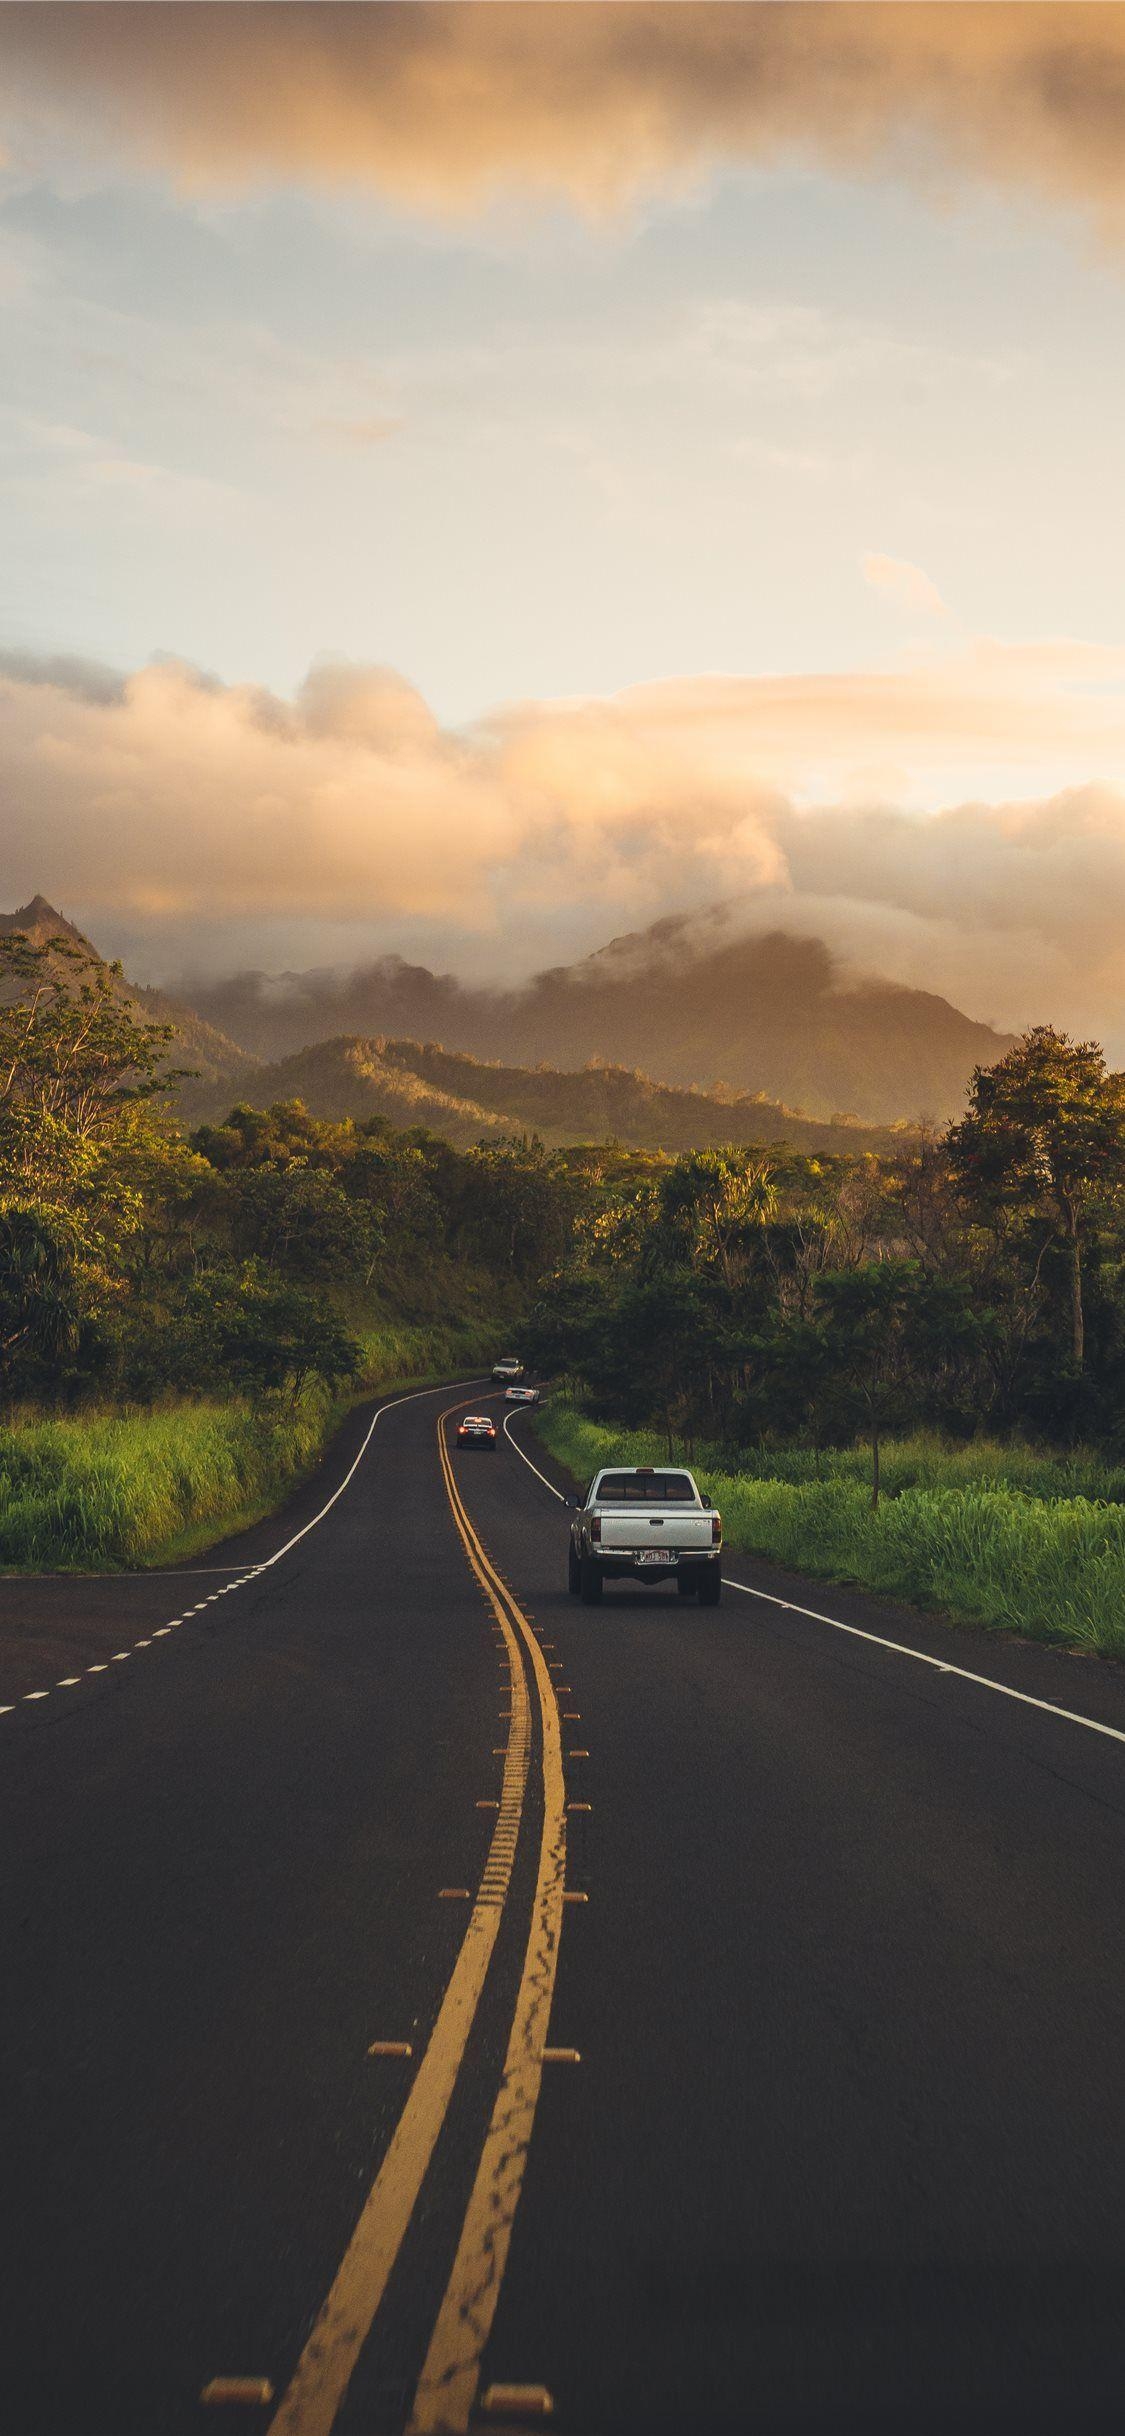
point(242, 1574)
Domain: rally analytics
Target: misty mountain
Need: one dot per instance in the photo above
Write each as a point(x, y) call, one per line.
point(690, 1002)
point(462, 1098)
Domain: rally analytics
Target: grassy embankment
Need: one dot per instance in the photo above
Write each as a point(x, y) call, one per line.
point(995, 1536)
point(133, 1488)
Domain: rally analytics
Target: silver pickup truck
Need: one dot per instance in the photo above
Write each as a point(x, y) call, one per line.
point(649, 1524)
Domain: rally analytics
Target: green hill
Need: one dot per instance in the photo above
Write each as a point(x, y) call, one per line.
point(465, 1098)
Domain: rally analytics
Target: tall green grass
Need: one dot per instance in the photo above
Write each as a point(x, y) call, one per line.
point(118, 1488)
point(106, 1489)
point(925, 1461)
point(1051, 1567)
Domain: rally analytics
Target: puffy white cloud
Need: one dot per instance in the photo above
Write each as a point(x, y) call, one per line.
point(208, 818)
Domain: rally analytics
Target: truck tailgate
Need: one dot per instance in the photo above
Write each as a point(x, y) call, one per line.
point(672, 1527)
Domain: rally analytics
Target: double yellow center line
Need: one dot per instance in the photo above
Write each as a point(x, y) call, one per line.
point(448, 2384)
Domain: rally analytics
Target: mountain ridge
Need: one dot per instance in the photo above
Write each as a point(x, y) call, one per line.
point(410, 1079)
point(467, 1100)
point(690, 1002)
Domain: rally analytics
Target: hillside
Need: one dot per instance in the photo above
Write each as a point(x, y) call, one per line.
point(216, 1061)
point(465, 1099)
point(465, 1095)
point(689, 1001)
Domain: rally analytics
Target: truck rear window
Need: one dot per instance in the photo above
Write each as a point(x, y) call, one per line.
point(646, 1489)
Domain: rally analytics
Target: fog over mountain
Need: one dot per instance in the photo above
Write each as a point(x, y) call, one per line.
point(689, 1001)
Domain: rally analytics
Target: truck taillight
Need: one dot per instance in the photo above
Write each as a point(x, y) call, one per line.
point(595, 1526)
point(716, 1529)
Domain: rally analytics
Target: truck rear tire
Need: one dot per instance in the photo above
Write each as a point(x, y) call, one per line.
point(685, 1585)
point(710, 1586)
point(590, 1582)
point(573, 1572)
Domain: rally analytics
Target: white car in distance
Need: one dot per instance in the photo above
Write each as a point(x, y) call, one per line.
point(648, 1523)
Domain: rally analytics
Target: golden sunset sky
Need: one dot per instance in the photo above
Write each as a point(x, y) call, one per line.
point(476, 478)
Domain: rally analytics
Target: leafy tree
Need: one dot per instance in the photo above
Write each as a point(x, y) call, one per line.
point(1044, 1133)
point(266, 1339)
point(39, 1299)
point(655, 1354)
point(521, 1199)
point(893, 1331)
point(866, 1314)
point(715, 1204)
point(74, 1057)
point(300, 1221)
point(793, 1390)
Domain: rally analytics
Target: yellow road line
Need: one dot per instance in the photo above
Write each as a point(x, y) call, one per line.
point(324, 2369)
point(447, 2388)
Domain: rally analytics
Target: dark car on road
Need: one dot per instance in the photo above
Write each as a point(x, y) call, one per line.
point(477, 1429)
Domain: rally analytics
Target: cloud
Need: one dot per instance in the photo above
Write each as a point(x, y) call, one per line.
point(211, 819)
point(444, 106)
point(369, 432)
point(903, 584)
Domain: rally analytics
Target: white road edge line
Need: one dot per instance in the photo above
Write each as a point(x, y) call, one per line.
point(532, 1467)
point(415, 1396)
point(241, 1575)
point(942, 1666)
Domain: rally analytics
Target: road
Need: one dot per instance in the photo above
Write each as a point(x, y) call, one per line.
point(828, 2131)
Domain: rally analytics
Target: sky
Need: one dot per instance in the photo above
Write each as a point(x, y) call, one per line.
point(475, 479)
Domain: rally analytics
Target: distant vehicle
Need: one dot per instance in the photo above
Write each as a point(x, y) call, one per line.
point(649, 1524)
point(521, 1395)
point(477, 1429)
point(508, 1367)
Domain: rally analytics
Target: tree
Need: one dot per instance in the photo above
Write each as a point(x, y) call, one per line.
point(266, 1338)
point(715, 1205)
point(1045, 1134)
point(894, 1332)
point(652, 1359)
point(794, 1383)
point(39, 1303)
point(74, 1057)
point(298, 1220)
point(866, 1314)
point(520, 1198)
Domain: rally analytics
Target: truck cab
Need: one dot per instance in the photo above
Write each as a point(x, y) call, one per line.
point(647, 1523)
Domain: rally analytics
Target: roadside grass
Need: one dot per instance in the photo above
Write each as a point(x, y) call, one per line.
point(109, 1489)
point(925, 1461)
point(984, 1549)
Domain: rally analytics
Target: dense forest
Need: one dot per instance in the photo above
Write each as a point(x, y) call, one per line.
point(137, 1260)
point(973, 1279)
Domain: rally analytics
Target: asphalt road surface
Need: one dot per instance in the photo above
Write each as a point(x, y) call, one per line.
point(809, 2117)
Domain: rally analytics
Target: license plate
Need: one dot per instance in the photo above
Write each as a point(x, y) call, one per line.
point(654, 1556)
